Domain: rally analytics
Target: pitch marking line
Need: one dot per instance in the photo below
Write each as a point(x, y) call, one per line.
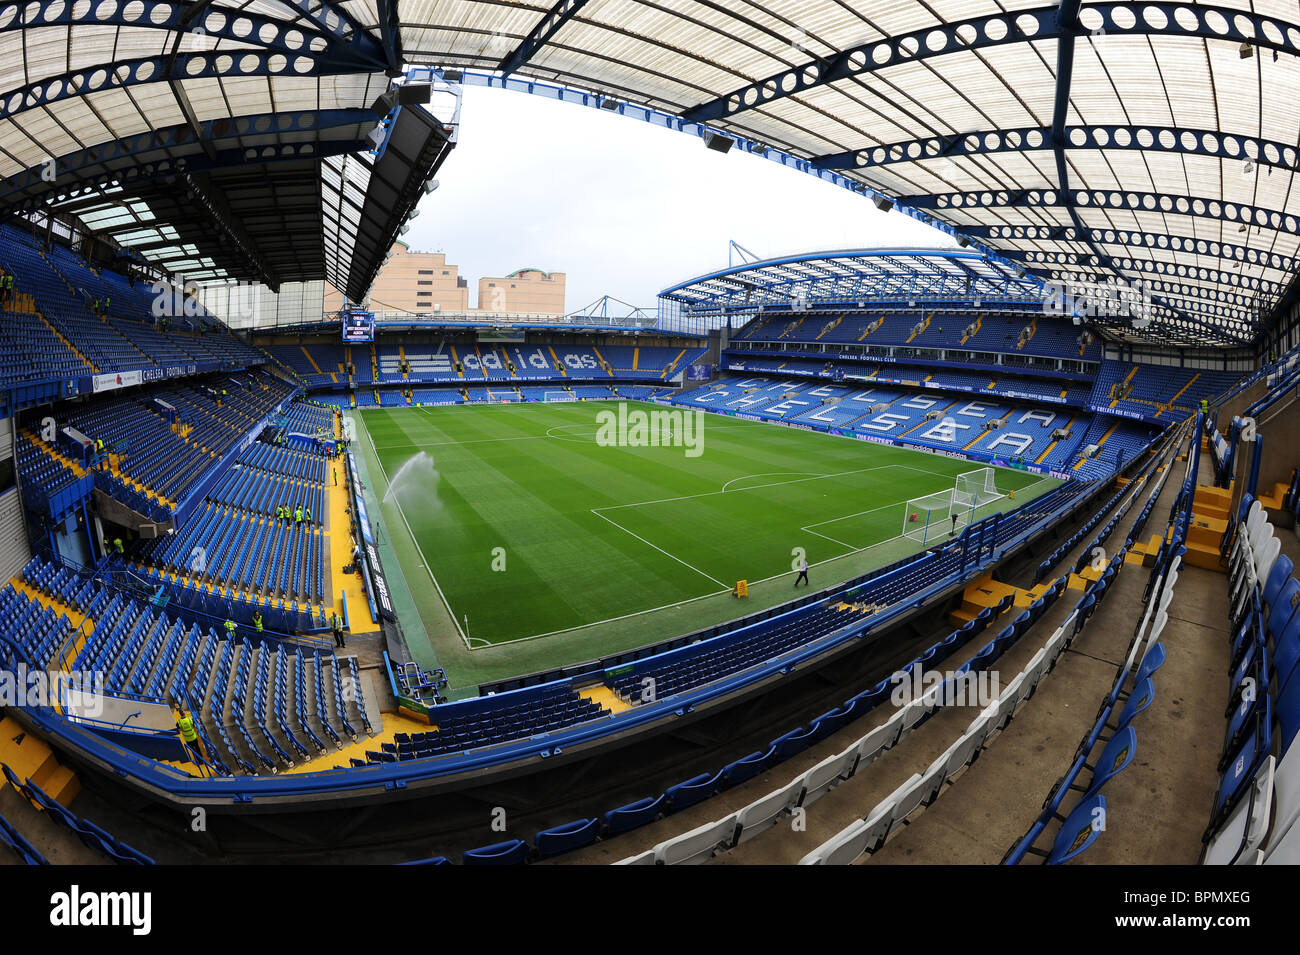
point(420, 550)
point(817, 477)
point(660, 549)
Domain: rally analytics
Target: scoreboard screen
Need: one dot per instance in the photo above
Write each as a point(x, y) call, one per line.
point(358, 326)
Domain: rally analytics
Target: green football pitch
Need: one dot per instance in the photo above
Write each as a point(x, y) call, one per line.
point(527, 522)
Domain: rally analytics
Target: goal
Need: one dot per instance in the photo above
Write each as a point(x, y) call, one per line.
point(559, 396)
point(930, 518)
point(977, 487)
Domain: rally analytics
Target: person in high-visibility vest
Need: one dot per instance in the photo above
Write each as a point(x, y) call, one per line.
point(117, 545)
point(230, 628)
point(189, 735)
point(1205, 406)
point(306, 514)
point(297, 515)
point(257, 621)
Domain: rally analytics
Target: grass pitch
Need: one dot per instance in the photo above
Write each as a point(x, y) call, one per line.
point(526, 526)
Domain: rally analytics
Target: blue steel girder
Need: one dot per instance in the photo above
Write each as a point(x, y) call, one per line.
point(1063, 263)
point(186, 18)
point(1151, 240)
point(1041, 23)
point(390, 34)
point(1110, 200)
point(1200, 142)
point(265, 137)
point(187, 66)
point(540, 35)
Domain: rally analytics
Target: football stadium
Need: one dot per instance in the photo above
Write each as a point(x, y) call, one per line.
point(977, 552)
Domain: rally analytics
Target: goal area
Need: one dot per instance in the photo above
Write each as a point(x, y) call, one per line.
point(559, 396)
point(936, 516)
point(977, 487)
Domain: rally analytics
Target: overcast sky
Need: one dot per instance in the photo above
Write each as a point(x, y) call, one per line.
point(622, 207)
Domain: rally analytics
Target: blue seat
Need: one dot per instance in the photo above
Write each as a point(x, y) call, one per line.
point(1142, 696)
point(633, 815)
point(686, 794)
point(436, 860)
point(511, 852)
point(747, 767)
point(565, 838)
point(1079, 831)
point(1153, 661)
point(1114, 758)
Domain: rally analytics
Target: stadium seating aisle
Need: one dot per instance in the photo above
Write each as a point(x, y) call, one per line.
point(289, 700)
point(1255, 807)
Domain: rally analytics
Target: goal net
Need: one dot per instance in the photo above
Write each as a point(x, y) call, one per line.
point(936, 516)
point(559, 396)
point(978, 487)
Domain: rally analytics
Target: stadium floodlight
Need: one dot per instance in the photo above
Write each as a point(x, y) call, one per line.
point(610, 104)
point(963, 241)
point(882, 203)
point(376, 135)
point(719, 144)
point(430, 186)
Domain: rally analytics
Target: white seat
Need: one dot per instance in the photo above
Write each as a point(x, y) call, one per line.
point(1009, 699)
point(911, 796)
point(698, 845)
point(1037, 667)
point(827, 774)
point(1243, 832)
point(1055, 644)
point(879, 739)
point(641, 858)
point(841, 848)
point(1286, 797)
point(764, 813)
point(918, 710)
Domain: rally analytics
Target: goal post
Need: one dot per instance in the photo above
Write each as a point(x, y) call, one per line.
point(559, 396)
point(978, 487)
point(931, 518)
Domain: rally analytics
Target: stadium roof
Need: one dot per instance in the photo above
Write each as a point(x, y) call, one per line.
point(215, 138)
point(1151, 141)
point(857, 275)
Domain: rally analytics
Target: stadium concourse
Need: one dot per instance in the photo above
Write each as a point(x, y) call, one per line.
point(453, 586)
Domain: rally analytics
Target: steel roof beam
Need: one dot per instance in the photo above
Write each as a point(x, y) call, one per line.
point(1034, 25)
point(540, 35)
point(1197, 142)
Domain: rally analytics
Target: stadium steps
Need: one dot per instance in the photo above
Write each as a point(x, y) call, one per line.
point(1115, 388)
point(115, 467)
point(58, 334)
point(31, 758)
point(830, 327)
point(1174, 400)
point(80, 625)
point(979, 322)
point(920, 331)
point(976, 440)
point(67, 462)
point(925, 421)
point(1210, 507)
point(1109, 431)
point(1055, 441)
point(1033, 330)
point(672, 365)
point(603, 696)
point(636, 357)
point(987, 592)
point(554, 357)
point(310, 360)
point(605, 366)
